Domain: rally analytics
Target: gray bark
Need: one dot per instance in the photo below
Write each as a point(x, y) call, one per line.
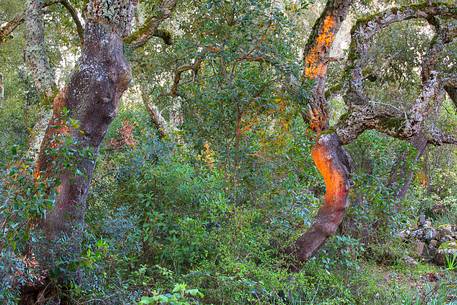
point(163, 127)
point(35, 52)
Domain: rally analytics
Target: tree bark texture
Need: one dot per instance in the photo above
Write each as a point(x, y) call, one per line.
point(163, 127)
point(316, 60)
point(328, 155)
point(333, 164)
point(35, 51)
point(82, 111)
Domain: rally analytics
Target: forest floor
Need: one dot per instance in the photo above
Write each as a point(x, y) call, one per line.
point(426, 279)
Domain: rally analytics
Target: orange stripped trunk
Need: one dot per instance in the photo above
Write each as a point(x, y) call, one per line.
point(333, 163)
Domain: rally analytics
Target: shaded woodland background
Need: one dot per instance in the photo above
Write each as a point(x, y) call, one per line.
point(205, 180)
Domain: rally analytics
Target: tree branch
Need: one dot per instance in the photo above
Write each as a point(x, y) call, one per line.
point(156, 117)
point(365, 114)
point(141, 36)
point(179, 71)
point(10, 26)
point(165, 35)
point(365, 29)
point(74, 16)
point(437, 137)
point(250, 57)
point(189, 67)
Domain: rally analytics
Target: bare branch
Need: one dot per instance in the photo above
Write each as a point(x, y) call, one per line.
point(74, 16)
point(10, 26)
point(365, 29)
point(156, 117)
point(141, 36)
point(365, 114)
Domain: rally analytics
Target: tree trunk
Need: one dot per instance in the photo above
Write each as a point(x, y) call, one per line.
point(82, 112)
point(92, 99)
point(35, 52)
point(37, 134)
point(330, 158)
point(164, 129)
point(333, 164)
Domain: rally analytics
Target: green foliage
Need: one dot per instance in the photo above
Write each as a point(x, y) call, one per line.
point(22, 202)
point(216, 209)
point(451, 261)
point(180, 295)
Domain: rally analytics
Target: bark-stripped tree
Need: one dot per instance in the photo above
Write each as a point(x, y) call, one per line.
point(82, 112)
point(362, 114)
point(330, 158)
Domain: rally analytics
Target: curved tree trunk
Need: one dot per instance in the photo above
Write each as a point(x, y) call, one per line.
point(82, 112)
point(332, 161)
point(92, 99)
point(330, 158)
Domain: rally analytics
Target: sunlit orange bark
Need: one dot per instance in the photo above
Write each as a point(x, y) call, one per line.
point(316, 59)
point(330, 158)
point(333, 164)
point(335, 179)
point(315, 63)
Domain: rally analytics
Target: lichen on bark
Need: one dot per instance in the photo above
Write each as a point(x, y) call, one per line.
point(35, 52)
point(116, 13)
